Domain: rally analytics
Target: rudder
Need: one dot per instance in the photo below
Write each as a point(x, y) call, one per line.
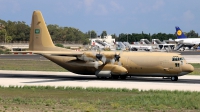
point(40, 38)
point(179, 33)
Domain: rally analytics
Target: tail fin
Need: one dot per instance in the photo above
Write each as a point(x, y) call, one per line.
point(179, 33)
point(40, 39)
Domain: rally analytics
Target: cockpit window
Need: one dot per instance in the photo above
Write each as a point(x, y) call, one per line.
point(176, 58)
point(182, 58)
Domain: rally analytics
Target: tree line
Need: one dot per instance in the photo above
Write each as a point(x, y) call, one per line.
point(15, 31)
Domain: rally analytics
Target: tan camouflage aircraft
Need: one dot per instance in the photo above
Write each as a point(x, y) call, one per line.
point(106, 64)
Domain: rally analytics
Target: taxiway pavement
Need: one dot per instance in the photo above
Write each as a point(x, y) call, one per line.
point(38, 78)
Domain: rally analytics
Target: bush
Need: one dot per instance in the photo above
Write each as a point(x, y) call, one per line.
point(59, 45)
point(7, 51)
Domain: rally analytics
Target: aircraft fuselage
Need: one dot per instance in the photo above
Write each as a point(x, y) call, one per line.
point(189, 41)
point(136, 64)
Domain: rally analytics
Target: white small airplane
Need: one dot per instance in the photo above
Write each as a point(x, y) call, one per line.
point(183, 41)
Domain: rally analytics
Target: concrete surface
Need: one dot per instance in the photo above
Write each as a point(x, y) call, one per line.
point(37, 78)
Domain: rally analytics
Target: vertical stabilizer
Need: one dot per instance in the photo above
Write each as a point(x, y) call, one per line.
point(179, 33)
point(40, 39)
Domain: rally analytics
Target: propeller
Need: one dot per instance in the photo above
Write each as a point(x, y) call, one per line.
point(116, 58)
point(96, 59)
point(100, 57)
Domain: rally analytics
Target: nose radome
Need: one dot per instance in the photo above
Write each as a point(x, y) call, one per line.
point(188, 68)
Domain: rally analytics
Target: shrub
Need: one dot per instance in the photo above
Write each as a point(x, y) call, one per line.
point(59, 45)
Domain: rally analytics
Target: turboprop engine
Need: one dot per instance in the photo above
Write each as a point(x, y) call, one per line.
point(109, 69)
point(104, 58)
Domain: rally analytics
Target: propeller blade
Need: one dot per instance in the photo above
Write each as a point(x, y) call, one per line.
point(112, 61)
point(87, 58)
point(119, 63)
point(96, 64)
point(103, 59)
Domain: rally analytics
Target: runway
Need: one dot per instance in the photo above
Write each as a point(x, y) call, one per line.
point(37, 78)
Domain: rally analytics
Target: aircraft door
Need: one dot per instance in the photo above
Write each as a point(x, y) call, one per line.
point(165, 65)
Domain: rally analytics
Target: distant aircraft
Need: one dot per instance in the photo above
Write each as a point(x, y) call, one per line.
point(183, 41)
point(115, 65)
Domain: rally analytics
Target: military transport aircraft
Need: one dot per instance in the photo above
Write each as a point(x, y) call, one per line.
point(115, 65)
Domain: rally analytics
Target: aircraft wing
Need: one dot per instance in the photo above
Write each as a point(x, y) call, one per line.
point(54, 53)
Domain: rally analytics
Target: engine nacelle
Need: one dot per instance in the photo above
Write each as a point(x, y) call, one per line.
point(103, 73)
point(111, 69)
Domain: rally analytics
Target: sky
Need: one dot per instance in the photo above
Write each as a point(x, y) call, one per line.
point(113, 16)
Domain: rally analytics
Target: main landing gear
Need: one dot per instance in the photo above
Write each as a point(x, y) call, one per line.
point(123, 77)
point(117, 77)
point(174, 78)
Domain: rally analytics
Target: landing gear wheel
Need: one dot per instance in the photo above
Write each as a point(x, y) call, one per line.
point(115, 77)
point(174, 78)
point(122, 77)
point(98, 77)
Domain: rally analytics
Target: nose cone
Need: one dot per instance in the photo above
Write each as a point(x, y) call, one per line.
point(187, 68)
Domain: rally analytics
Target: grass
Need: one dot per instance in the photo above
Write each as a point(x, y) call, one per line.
point(30, 65)
point(196, 69)
point(46, 65)
point(46, 98)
